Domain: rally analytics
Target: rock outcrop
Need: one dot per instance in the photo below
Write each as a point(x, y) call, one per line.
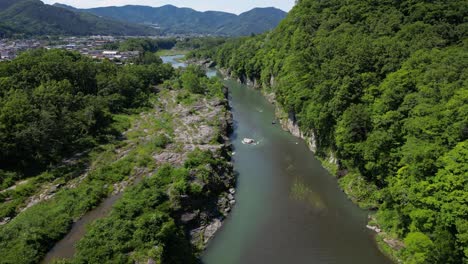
point(204, 124)
point(289, 123)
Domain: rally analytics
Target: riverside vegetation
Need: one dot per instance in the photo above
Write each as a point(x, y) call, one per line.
point(379, 89)
point(74, 131)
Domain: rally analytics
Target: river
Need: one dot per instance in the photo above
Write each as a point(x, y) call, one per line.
point(175, 60)
point(289, 208)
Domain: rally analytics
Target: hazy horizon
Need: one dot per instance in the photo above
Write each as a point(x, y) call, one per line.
point(236, 7)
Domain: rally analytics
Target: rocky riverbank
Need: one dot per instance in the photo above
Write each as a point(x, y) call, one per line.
point(202, 124)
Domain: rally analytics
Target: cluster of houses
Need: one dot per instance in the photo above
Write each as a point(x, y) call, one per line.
point(10, 49)
point(93, 47)
point(114, 55)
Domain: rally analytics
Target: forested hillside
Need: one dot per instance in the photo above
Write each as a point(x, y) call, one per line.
point(33, 17)
point(383, 86)
point(179, 20)
point(56, 103)
point(255, 21)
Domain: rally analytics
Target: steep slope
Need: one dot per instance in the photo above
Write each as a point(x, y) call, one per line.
point(255, 21)
point(172, 19)
point(65, 6)
point(32, 17)
point(379, 89)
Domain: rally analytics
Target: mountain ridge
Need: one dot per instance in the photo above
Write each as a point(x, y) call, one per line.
point(33, 17)
point(184, 20)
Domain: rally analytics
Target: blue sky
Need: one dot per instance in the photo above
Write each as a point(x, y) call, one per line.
point(233, 6)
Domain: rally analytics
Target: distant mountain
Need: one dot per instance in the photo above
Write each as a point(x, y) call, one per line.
point(257, 20)
point(33, 17)
point(173, 19)
point(66, 6)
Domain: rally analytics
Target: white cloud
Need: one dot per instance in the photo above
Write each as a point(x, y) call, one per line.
point(236, 6)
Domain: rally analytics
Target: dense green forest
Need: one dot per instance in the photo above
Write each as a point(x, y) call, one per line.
point(383, 86)
point(149, 46)
point(142, 44)
point(200, 43)
point(74, 129)
point(53, 103)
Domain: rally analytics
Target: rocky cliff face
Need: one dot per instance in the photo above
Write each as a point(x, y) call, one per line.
point(288, 123)
point(204, 124)
point(244, 79)
point(287, 120)
point(249, 81)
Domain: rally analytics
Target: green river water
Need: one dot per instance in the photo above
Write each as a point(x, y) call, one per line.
point(289, 208)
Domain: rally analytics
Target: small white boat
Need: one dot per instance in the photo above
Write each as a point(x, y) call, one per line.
point(248, 141)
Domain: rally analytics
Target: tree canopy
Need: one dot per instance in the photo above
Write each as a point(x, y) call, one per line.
point(56, 103)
